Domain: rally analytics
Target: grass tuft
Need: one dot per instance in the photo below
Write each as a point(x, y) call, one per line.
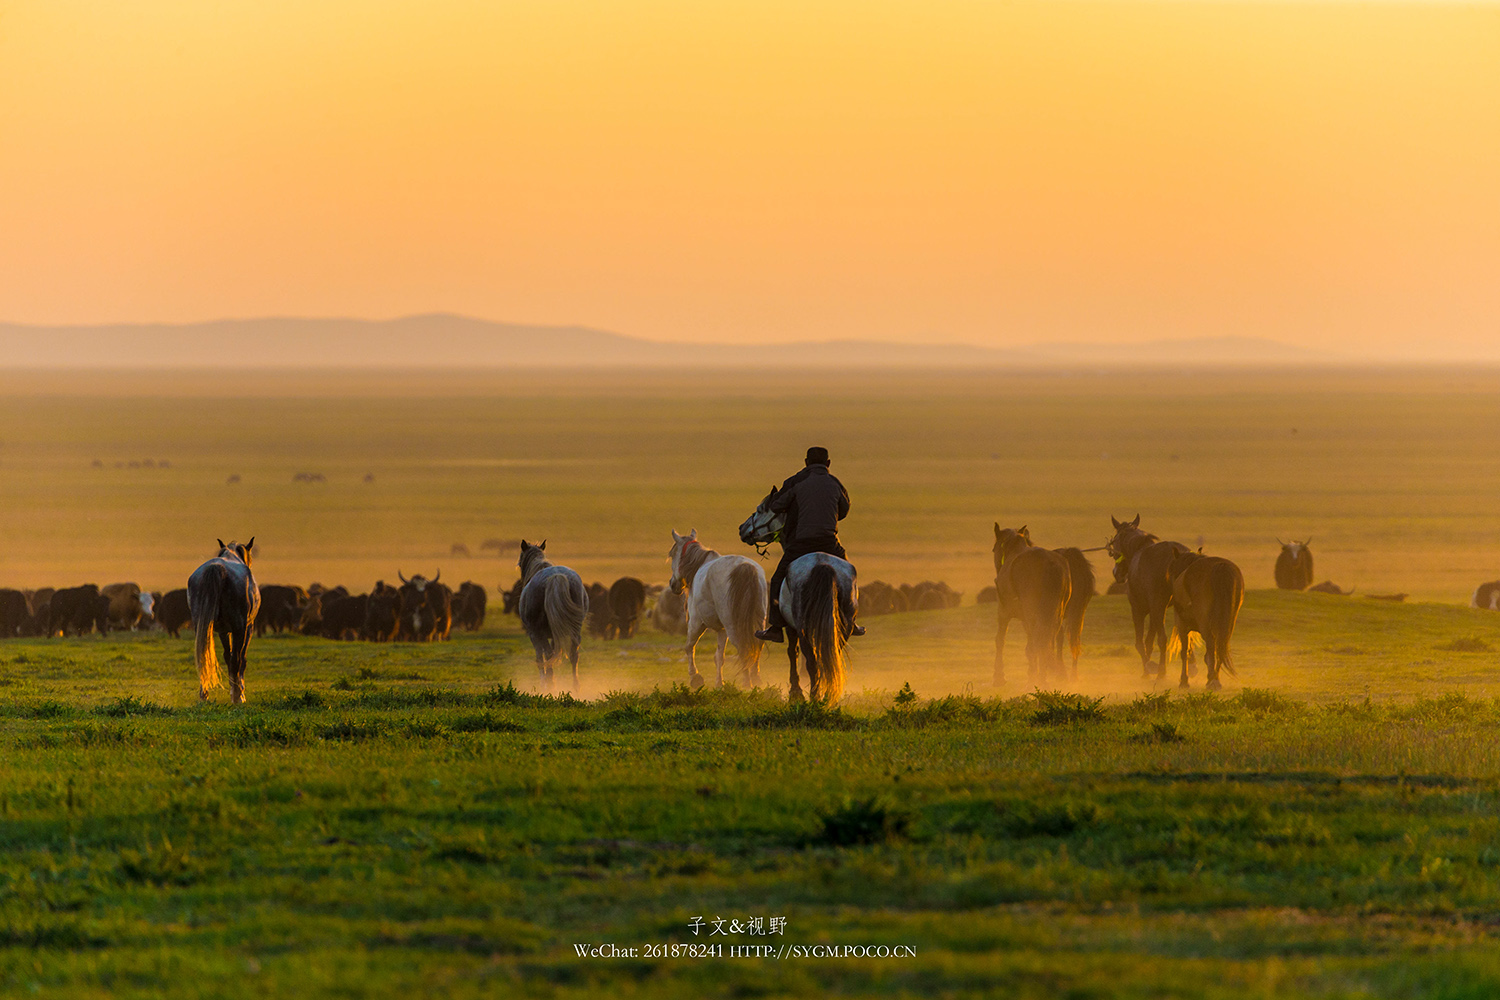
point(865, 821)
point(1054, 708)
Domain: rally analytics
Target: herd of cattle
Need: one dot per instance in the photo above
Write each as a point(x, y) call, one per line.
point(421, 610)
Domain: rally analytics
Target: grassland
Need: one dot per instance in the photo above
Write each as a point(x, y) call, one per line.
point(416, 818)
point(1392, 475)
point(420, 820)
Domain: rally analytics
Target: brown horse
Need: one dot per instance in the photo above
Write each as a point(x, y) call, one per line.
point(1034, 585)
point(1146, 562)
point(1207, 592)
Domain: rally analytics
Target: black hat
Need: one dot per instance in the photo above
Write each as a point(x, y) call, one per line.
point(817, 456)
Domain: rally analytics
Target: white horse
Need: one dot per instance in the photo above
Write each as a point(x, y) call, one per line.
point(726, 594)
point(817, 599)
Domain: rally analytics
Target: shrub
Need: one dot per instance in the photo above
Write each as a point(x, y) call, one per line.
point(867, 821)
point(1053, 708)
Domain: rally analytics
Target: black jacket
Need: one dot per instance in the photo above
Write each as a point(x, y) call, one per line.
point(814, 502)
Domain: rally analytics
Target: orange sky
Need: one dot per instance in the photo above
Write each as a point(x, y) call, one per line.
point(993, 172)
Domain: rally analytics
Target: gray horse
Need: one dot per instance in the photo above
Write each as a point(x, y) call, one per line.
point(223, 598)
point(553, 605)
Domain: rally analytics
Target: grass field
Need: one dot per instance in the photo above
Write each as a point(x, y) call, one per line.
point(1393, 475)
point(413, 818)
point(420, 820)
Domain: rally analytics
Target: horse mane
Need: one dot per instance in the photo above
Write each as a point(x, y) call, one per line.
point(692, 556)
point(533, 561)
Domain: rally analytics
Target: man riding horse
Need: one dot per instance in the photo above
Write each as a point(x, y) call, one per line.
point(814, 503)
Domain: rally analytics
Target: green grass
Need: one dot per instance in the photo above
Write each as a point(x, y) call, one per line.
point(420, 819)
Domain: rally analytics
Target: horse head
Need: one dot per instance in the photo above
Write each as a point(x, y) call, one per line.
point(1128, 539)
point(678, 583)
point(236, 551)
point(763, 526)
point(531, 555)
point(1008, 543)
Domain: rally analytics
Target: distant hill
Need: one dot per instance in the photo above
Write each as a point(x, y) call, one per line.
point(447, 341)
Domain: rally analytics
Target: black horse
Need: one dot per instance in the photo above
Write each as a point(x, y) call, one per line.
point(223, 598)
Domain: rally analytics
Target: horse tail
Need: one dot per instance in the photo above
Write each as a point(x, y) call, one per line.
point(1084, 586)
point(827, 629)
point(565, 613)
point(1228, 587)
point(205, 610)
point(747, 612)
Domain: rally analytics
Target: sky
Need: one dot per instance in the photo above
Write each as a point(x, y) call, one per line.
point(999, 173)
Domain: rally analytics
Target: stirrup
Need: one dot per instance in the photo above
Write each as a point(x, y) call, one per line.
point(856, 629)
point(773, 633)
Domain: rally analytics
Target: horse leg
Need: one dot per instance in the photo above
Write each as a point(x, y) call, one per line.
point(1142, 639)
point(695, 632)
point(541, 665)
point(1159, 629)
point(794, 689)
point(1211, 662)
point(241, 660)
point(1183, 634)
point(719, 655)
point(573, 658)
point(1003, 627)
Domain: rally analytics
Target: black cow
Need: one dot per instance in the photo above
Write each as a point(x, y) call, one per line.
point(510, 600)
point(344, 617)
point(78, 609)
point(172, 611)
point(383, 613)
point(14, 614)
point(627, 599)
point(280, 608)
point(469, 606)
point(599, 615)
point(426, 609)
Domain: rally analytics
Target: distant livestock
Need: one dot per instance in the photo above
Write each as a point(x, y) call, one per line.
point(1329, 587)
point(627, 601)
point(670, 613)
point(172, 611)
point(458, 549)
point(280, 608)
point(126, 606)
point(14, 614)
point(426, 609)
point(469, 606)
point(79, 610)
point(1487, 596)
point(309, 477)
point(598, 615)
point(383, 613)
point(1294, 566)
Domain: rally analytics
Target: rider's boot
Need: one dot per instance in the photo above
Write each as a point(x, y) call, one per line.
point(775, 627)
point(856, 629)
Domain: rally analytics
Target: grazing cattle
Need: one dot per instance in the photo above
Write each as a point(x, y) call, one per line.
point(39, 602)
point(498, 546)
point(234, 477)
point(987, 595)
point(280, 608)
point(1393, 598)
point(627, 601)
point(14, 614)
point(510, 599)
point(1294, 566)
point(309, 477)
point(123, 605)
point(1049, 590)
point(383, 613)
point(148, 607)
point(553, 605)
point(1329, 587)
point(310, 613)
point(1144, 563)
point(1487, 596)
point(172, 611)
point(224, 599)
point(426, 609)
point(344, 617)
point(469, 606)
point(1207, 592)
point(599, 616)
point(459, 549)
point(77, 609)
point(670, 613)
point(880, 598)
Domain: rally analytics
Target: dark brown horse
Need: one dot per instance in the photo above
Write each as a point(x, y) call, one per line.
point(1207, 592)
point(223, 598)
point(1036, 586)
point(1294, 565)
point(1147, 562)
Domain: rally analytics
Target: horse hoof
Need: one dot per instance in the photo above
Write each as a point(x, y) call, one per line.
point(695, 682)
point(1214, 686)
point(1183, 686)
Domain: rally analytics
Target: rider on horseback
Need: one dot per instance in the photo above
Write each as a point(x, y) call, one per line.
point(814, 502)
